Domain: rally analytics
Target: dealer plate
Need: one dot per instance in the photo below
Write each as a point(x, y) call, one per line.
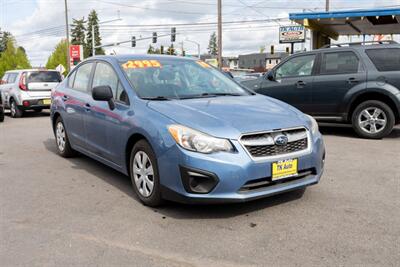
point(284, 168)
point(46, 101)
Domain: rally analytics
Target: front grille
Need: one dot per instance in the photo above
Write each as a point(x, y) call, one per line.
point(263, 144)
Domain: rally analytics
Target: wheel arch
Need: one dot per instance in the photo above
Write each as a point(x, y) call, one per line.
point(132, 140)
point(56, 115)
point(373, 95)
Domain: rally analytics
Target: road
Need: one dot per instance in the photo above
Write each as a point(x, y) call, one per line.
point(77, 212)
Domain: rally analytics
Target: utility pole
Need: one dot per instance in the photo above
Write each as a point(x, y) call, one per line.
point(326, 5)
point(220, 33)
point(67, 33)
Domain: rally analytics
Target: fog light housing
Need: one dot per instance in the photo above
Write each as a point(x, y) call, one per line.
point(198, 181)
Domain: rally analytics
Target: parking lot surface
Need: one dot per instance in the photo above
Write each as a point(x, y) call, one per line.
point(78, 212)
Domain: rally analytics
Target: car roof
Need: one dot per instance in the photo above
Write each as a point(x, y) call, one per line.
point(127, 57)
point(25, 70)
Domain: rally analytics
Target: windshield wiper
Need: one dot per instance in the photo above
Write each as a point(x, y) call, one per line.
point(159, 98)
point(209, 95)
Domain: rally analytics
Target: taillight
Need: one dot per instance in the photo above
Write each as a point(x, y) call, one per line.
point(22, 82)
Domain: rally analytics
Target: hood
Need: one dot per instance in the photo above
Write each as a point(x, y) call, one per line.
point(230, 116)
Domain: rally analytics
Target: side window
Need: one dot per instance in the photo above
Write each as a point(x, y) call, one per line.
point(82, 77)
point(297, 66)
point(105, 75)
point(71, 79)
point(122, 96)
point(387, 59)
point(12, 77)
point(4, 79)
point(339, 63)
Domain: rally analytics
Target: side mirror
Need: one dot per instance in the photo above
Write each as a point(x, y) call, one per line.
point(104, 93)
point(271, 76)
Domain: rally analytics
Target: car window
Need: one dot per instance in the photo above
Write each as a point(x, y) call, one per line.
point(71, 79)
point(387, 59)
point(82, 77)
point(44, 77)
point(4, 79)
point(297, 66)
point(122, 96)
point(105, 75)
point(12, 77)
point(339, 63)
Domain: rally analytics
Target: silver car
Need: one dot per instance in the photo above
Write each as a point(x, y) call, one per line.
point(28, 90)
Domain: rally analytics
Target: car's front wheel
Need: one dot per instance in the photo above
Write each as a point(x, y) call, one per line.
point(16, 112)
point(144, 174)
point(63, 145)
point(373, 119)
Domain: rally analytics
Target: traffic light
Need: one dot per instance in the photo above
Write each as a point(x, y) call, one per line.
point(133, 41)
point(183, 53)
point(154, 37)
point(162, 50)
point(272, 49)
point(173, 34)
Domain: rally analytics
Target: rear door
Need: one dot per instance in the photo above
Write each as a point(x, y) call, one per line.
point(387, 63)
point(339, 72)
point(75, 96)
point(293, 81)
point(40, 83)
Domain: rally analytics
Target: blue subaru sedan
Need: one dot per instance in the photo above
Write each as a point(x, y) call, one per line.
point(184, 131)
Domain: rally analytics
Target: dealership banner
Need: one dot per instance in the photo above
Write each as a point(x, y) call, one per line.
point(292, 34)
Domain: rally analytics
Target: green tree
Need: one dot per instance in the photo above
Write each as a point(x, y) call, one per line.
point(212, 45)
point(78, 32)
point(13, 58)
point(59, 56)
point(4, 40)
point(93, 22)
point(151, 50)
point(171, 50)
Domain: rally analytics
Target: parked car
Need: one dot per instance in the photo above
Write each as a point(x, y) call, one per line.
point(184, 131)
point(28, 90)
point(357, 84)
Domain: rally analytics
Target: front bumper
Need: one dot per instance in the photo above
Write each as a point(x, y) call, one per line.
point(234, 171)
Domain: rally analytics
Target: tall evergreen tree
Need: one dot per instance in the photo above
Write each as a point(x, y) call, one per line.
point(59, 55)
point(212, 45)
point(78, 32)
point(151, 50)
point(93, 22)
point(13, 58)
point(3, 41)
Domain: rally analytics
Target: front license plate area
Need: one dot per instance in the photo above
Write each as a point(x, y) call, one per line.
point(46, 101)
point(284, 169)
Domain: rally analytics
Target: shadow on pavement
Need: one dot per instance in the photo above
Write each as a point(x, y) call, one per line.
point(171, 209)
point(32, 114)
point(346, 130)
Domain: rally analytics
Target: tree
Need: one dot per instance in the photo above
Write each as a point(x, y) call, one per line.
point(59, 56)
point(4, 40)
point(171, 50)
point(78, 32)
point(93, 22)
point(151, 50)
point(13, 58)
point(212, 45)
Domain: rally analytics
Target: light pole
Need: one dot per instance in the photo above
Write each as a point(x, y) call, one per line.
point(198, 46)
point(93, 35)
point(67, 33)
point(220, 33)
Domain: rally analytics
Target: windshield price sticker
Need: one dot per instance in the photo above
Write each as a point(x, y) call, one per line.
point(140, 64)
point(203, 64)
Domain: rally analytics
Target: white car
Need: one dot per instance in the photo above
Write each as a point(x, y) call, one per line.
point(28, 89)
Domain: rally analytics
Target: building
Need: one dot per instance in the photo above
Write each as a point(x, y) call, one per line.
point(260, 61)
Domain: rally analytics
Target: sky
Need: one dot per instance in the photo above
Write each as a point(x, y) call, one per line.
point(39, 25)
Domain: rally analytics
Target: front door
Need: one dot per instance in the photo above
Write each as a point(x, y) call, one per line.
point(293, 82)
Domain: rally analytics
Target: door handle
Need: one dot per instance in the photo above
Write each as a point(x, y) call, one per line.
point(88, 107)
point(352, 80)
point(300, 84)
point(65, 98)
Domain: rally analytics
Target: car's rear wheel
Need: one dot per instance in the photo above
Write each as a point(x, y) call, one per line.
point(373, 119)
point(63, 145)
point(144, 174)
point(16, 112)
point(1, 114)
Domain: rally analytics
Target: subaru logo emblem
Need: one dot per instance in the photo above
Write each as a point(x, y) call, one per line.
point(281, 140)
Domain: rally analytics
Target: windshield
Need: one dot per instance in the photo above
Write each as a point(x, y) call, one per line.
point(44, 77)
point(172, 78)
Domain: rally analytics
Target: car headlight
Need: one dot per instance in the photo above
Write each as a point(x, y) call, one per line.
point(196, 141)
point(314, 125)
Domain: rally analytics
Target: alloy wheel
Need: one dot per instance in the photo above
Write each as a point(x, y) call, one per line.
point(60, 136)
point(372, 120)
point(13, 109)
point(143, 173)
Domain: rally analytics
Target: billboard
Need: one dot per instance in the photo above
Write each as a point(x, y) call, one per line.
point(292, 34)
point(75, 54)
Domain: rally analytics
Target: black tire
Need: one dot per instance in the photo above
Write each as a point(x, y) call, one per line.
point(387, 114)
point(1, 114)
point(154, 199)
point(16, 112)
point(67, 151)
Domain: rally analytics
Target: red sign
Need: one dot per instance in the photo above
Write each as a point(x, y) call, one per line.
point(75, 51)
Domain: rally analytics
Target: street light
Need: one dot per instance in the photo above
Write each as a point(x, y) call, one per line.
point(93, 37)
point(198, 46)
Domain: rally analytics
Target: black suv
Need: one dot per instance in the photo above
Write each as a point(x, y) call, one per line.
point(356, 83)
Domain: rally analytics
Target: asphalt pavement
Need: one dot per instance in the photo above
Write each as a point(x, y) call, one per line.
point(78, 212)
